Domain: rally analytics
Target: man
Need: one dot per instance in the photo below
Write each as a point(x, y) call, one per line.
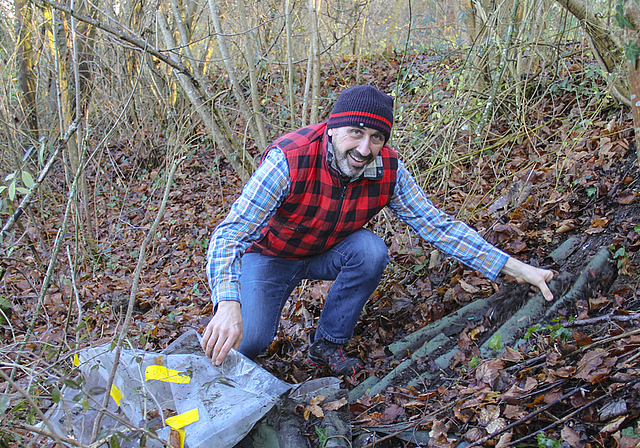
point(301, 216)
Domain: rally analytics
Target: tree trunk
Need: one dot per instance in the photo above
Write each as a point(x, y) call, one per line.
point(26, 78)
point(606, 45)
point(239, 159)
point(292, 107)
point(632, 12)
point(316, 66)
point(231, 72)
point(250, 56)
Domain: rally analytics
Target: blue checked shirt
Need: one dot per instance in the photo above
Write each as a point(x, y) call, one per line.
point(269, 187)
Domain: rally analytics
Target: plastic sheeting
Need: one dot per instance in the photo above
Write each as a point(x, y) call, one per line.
point(205, 406)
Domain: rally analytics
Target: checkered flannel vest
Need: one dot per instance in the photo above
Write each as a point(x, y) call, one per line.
point(321, 210)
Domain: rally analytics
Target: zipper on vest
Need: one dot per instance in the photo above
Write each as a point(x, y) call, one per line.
point(335, 221)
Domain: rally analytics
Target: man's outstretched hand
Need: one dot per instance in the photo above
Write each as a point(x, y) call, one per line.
point(223, 332)
point(524, 273)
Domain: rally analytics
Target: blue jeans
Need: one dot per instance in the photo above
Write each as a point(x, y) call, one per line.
point(355, 264)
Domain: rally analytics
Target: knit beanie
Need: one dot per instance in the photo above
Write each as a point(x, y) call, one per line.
point(363, 106)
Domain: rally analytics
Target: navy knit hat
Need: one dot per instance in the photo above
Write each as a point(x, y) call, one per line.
point(363, 106)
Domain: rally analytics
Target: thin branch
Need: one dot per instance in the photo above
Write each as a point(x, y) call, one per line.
point(134, 290)
point(33, 404)
point(136, 41)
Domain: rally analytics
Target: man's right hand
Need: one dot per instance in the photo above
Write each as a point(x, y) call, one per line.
point(223, 332)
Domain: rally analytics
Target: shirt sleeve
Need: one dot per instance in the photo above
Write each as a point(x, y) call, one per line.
point(249, 214)
point(455, 238)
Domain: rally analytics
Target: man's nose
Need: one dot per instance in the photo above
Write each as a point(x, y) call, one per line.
point(364, 147)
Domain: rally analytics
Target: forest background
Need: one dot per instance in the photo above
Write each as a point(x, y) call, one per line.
point(128, 127)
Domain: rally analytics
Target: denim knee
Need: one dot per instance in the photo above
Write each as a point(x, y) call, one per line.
point(374, 251)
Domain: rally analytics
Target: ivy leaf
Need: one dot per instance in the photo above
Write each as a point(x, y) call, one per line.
point(623, 21)
point(632, 52)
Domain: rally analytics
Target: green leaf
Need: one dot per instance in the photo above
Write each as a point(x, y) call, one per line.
point(55, 395)
point(620, 253)
point(41, 153)
point(531, 330)
point(114, 442)
point(632, 52)
point(546, 442)
point(12, 190)
point(494, 342)
point(96, 391)
point(27, 179)
point(623, 21)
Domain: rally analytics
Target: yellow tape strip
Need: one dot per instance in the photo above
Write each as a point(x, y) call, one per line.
point(181, 420)
point(161, 373)
point(181, 436)
point(116, 394)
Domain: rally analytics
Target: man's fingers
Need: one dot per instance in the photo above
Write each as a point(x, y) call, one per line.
point(543, 286)
point(546, 292)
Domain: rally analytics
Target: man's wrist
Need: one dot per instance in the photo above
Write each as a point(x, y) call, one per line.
point(512, 267)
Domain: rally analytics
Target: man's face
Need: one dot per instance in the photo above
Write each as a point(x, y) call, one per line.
point(355, 147)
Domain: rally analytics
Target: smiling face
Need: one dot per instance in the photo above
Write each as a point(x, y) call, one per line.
point(355, 147)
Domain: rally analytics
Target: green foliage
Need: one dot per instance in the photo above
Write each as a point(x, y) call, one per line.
point(619, 255)
point(623, 21)
point(629, 432)
point(556, 331)
point(531, 331)
point(322, 436)
point(546, 442)
point(637, 229)
point(631, 50)
point(475, 362)
point(495, 342)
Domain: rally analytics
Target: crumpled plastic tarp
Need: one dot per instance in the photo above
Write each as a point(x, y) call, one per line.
point(205, 406)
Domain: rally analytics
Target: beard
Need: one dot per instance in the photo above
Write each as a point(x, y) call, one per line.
point(343, 161)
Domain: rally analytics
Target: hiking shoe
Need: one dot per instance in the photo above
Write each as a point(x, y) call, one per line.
point(323, 353)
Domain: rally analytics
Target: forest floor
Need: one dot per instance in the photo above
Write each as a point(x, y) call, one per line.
point(576, 377)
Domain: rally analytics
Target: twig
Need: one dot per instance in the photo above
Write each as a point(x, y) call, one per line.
point(525, 418)
point(45, 170)
point(35, 407)
point(42, 432)
point(134, 290)
point(57, 243)
point(566, 417)
point(600, 319)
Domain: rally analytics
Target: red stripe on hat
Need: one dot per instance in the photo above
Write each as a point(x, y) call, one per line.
point(364, 114)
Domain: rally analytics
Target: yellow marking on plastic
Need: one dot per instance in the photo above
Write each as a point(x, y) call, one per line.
point(116, 394)
point(181, 436)
point(76, 360)
point(162, 373)
point(181, 420)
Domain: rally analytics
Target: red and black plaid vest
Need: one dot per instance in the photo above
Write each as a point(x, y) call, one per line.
point(321, 210)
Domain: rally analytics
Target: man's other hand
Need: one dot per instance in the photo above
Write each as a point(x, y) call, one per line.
point(223, 332)
point(524, 273)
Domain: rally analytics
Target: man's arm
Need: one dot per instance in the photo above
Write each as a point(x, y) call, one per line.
point(456, 238)
point(249, 214)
